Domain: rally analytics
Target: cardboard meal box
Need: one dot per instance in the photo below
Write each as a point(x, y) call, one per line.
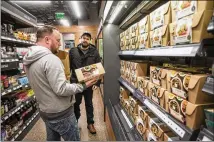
point(123, 63)
point(122, 45)
point(127, 75)
point(144, 41)
point(134, 30)
point(134, 78)
point(134, 43)
point(128, 33)
point(158, 76)
point(133, 113)
point(150, 136)
point(143, 113)
point(64, 57)
point(122, 72)
point(126, 106)
point(122, 35)
point(141, 128)
point(128, 64)
point(160, 36)
point(182, 9)
point(161, 16)
point(157, 128)
point(188, 86)
point(156, 93)
point(186, 112)
point(144, 25)
point(170, 136)
point(88, 72)
point(191, 29)
point(143, 85)
point(140, 68)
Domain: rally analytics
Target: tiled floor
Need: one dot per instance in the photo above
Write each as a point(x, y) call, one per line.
point(38, 132)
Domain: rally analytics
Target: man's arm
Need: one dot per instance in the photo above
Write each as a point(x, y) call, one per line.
point(56, 76)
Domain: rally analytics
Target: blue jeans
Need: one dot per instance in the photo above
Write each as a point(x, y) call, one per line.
point(67, 128)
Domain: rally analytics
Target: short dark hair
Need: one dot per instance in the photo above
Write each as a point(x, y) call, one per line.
point(86, 34)
point(45, 30)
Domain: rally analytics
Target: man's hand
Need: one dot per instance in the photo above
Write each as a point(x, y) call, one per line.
point(90, 82)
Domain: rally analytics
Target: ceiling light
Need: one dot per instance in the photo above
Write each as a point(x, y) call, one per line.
point(117, 10)
point(33, 2)
point(106, 10)
point(75, 5)
point(65, 22)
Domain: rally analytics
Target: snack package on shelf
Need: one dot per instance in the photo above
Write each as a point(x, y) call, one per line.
point(133, 113)
point(171, 136)
point(157, 129)
point(191, 29)
point(127, 75)
point(141, 128)
point(143, 84)
point(160, 36)
point(182, 9)
point(156, 93)
point(124, 95)
point(127, 106)
point(139, 68)
point(144, 41)
point(186, 112)
point(134, 43)
point(143, 113)
point(144, 25)
point(23, 80)
point(158, 76)
point(123, 72)
point(88, 72)
point(160, 17)
point(188, 86)
point(134, 30)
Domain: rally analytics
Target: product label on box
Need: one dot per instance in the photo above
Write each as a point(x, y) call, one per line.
point(177, 107)
point(179, 83)
point(90, 71)
point(155, 92)
point(186, 8)
point(155, 81)
point(142, 25)
point(157, 18)
point(178, 92)
point(183, 31)
point(156, 37)
point(154, 127)
point(156, 75)
point(143, 39)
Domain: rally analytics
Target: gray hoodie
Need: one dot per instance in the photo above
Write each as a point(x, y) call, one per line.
point(45, 72)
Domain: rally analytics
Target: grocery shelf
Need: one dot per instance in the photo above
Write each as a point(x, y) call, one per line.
point(209, 85)
point(127, 123)
point(25, 128)
point(205, 135)
point(179, 128)
point(188, 50)
point(11, 89)
point(18, 14)
point(16, 109)
point(9, 39)
point(9, 64)
point(9, 60)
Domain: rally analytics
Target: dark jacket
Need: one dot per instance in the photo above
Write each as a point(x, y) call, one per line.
point(78, 59)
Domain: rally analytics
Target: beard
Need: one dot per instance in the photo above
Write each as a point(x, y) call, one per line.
point(85, 45)
point(54, 50)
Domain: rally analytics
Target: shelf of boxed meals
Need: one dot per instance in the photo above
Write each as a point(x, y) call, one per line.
point(146, 123)
point(179, 93)
point(174, 23)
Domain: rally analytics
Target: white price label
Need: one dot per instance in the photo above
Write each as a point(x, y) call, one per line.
point(20, 132)
point(206, 139)
point(24, 127)
point(6, 117)
point(16, 136)
point(3, 93)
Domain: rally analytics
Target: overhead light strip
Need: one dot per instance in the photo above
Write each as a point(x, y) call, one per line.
point(117, 11)
point(33, 2)
point(75, 5)
point(107, 9)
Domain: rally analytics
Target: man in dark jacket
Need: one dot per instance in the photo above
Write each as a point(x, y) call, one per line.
point(84, 54)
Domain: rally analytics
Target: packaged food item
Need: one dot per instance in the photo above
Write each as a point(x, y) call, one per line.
point(143, 85)
point(127, 106)
point(144, 113)
point(157, 128)
point(156, 94)
point(181, 9)
point(161, 16)
point(185, 111)
point(170, 136)
point(209, 114)
point(144, 25)
point(141, 128)
point(144, 40)
point(158, 76)
point(134, 30)
point(188, 86)
point(191, 29)
point(88, 72)
point(160, 36)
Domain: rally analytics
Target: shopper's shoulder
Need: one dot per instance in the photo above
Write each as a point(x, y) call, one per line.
point(51, 58)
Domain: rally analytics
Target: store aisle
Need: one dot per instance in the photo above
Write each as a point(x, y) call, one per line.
point(38, 132)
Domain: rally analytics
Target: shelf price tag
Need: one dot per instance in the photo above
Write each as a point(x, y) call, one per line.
point(127, 120)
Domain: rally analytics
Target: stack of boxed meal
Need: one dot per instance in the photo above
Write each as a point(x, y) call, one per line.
point(190, 20)
point(122, 41)
point(179, 92)
point(130, 71)
point(176, 22)
point(151, 128)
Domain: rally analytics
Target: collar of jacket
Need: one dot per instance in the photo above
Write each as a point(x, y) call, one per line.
point(90, 49)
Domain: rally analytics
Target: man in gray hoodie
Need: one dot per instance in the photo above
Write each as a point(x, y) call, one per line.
point(54, 94)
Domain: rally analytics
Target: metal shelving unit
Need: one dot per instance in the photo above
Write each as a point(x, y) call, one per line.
point(205, 135)
point(18, 41)
point(180, 129)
